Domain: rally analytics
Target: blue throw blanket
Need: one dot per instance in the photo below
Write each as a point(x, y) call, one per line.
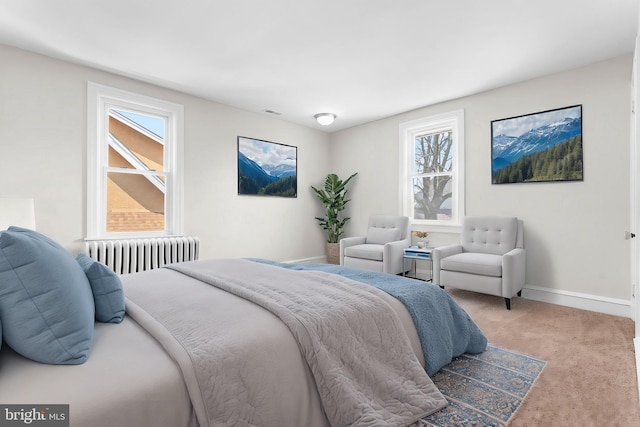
point(444, 328)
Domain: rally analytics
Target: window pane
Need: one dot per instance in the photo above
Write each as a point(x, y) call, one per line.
point(136, 141)
point(134, 203)
point(432, 197)
point(433, 152)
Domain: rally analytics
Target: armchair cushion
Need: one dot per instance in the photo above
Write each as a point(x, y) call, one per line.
point(368, 251)
point(380, 236)
point(474, 263)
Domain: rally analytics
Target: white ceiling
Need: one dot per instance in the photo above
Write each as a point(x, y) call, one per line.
point(360, 59)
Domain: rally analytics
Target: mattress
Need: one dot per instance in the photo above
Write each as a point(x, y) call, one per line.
point(128, 380)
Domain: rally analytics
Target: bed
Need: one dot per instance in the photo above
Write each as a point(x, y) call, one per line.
point(253, 342)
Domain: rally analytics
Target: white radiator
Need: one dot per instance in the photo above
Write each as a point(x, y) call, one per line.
point(130, 256)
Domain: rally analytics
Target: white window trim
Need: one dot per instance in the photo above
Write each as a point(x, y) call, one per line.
point(100, 99)
point(407, 134)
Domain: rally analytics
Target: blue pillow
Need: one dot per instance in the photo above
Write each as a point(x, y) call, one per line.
point(46, 304)
point(107, 290)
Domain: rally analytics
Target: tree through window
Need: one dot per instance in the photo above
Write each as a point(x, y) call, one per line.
point(433, 175)
point(432, 169)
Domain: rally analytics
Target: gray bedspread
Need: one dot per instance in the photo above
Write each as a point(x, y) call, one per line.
point(365, 370)
point(445, 329)
point(363, 366)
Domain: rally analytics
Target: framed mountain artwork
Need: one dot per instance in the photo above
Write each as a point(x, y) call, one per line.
point(267, 168)
point(544, 146)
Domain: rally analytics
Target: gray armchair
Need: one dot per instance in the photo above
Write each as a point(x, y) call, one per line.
point(490, 258)
point(381, 249)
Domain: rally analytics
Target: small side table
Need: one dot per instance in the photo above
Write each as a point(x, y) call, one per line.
point(416, 254)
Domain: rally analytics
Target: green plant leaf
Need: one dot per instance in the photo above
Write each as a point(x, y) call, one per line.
point(333, 196)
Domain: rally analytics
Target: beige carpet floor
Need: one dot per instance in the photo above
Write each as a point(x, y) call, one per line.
point(590, 377)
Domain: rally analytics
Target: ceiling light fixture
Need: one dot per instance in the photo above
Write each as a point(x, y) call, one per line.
point(325, 119)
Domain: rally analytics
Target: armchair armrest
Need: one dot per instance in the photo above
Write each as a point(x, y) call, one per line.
point(513, 272)
point(436, 256)
point(350, 241)
point(392, 256)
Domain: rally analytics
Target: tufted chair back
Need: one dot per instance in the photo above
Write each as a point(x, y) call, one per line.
point(491, 235)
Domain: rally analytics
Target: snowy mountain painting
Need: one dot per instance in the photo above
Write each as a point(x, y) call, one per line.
point(544, 146)
point(266, 168)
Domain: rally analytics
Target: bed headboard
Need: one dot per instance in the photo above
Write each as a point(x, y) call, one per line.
point(18, 212)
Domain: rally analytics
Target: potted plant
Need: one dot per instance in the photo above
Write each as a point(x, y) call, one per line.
point(333, 196)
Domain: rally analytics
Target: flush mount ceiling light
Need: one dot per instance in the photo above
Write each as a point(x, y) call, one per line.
point(325, 119)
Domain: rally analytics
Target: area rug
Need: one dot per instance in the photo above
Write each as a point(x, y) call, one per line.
point(483, 389)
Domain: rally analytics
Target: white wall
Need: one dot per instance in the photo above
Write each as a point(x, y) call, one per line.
point(43, 155)
point(573, 230)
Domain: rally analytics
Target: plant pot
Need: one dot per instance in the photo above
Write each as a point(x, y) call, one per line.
point(333, 253)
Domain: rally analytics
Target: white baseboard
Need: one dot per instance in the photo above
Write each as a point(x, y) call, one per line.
point(636, 342)
point(616, 307)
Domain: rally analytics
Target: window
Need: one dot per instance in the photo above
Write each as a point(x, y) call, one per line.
point(432, 170)
point(134, 165)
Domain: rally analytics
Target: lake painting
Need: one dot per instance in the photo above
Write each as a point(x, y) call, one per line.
point(544, 146)
point(267, 168)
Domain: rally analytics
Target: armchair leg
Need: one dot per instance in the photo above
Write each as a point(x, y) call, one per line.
point(508, 302)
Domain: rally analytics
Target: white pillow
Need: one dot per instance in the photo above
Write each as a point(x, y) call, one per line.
point(380, 236)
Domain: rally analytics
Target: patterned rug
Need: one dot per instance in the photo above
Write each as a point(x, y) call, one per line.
point(483, 389)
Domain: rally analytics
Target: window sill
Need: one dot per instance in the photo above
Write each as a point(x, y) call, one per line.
point(438, 228)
